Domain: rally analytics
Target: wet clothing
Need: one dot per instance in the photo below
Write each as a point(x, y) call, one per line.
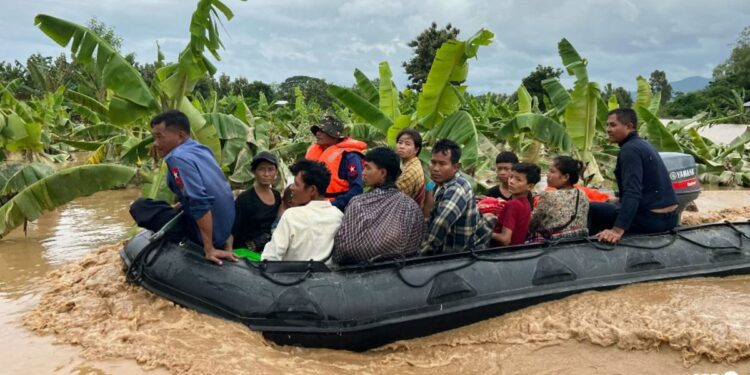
point(254, 218)
point(304, 233)
point(344, 161)
point(643, 183)
point(411, 181)
point(561, 212)
point(455, 223)
point(383, 221)
point(516, 217)
point(200, 186)
point(495, 192)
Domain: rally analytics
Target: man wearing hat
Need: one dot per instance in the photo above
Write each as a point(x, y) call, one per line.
point(201, 189)
point(256, 207)
point(343, 158)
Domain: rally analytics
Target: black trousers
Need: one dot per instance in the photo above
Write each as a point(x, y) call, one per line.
point(153, 215)
point(603, 215)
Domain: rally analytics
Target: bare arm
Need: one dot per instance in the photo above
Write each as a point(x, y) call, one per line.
point(205, 224)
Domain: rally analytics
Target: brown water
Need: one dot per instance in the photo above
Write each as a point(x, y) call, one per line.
point(59, 285)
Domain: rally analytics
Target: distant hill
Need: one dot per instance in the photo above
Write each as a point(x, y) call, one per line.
point(690, 84)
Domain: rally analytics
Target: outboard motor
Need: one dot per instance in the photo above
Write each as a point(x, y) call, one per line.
point(684, 176)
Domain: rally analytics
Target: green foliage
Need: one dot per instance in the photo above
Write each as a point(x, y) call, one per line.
point(659, 83)
point(57, 189)
point(534, 83)
point(425, 48)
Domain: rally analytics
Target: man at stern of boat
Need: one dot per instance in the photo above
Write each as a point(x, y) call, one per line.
point(342, 156)
point(454, 224)
point(647, 202)
point(201, 189)
point(306, 231)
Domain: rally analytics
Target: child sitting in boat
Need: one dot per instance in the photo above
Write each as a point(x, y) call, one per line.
point(503, 164)
point(563, 212)
point(513, 225)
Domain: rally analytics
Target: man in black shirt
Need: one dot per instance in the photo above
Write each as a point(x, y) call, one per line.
point(503, 163)
point(647, 203)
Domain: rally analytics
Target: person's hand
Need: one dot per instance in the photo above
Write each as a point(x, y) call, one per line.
point(610, 235)
point(216, 255)
point(177, 206)
point(480, 197)
point(613, 200)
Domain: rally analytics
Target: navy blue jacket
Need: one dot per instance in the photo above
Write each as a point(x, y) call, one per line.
point(195, 177)
point(642, 180)
point(350, 169)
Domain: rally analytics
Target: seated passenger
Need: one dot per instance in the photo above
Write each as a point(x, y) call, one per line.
point(454, 223)
point(306, 232)
point(257, 206)
point(648, 203)
point(383, 221)
point(503, 163)
point(412, 181)
point(561, 213)
point(513, 227)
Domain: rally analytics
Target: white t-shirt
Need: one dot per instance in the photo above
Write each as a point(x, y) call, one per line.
point(304, 233)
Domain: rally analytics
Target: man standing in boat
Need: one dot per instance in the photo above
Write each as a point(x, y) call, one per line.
point(343, 158)
point(202, 191)
point(455, 223)
point(647, 203)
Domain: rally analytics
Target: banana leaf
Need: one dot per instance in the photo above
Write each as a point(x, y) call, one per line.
point(202, 131)
point(100, 131)
point(459, 127)
point(657, 133)
point(138, 152)
point(740, 142)
point(558, 95)
point(402, 122)
point(524, 100)
point(132, 98)
point(573, 62)
point(361, 107)
point(442, 92)
point(540, 128)
point(25, 176)
point(581, 115)
point(368, 89)
point(59, 188)
point(644, 93)
point(227, 126)
point(612, 103)
point(388, 93)
point(87, 102)
point(98, 156)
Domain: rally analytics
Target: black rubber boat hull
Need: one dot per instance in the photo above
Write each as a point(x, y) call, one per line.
point(357, 308)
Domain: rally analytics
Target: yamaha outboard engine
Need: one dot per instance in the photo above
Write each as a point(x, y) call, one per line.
point(684, 176)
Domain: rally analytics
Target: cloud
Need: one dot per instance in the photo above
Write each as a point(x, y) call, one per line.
point(271, 40)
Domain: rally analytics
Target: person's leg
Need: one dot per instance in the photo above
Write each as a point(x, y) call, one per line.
point(601, 216)
point(153, 215)
point(651, 222)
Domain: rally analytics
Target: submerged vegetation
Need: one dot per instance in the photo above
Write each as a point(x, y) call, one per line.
point(101, 103)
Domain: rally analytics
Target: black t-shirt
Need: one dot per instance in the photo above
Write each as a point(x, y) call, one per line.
point(495, 192)
point(253, 219)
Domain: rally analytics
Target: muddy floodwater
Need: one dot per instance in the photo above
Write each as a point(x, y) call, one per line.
point(65, 308)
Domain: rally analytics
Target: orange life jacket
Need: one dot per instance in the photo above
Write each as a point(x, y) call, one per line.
point(331, 157)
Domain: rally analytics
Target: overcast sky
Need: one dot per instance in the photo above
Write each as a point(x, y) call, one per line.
point(270, 40)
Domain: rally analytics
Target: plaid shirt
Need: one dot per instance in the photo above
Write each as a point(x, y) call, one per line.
point(455, 223)
point(411, 180)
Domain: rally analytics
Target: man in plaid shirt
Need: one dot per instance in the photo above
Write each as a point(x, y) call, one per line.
point(455, 223)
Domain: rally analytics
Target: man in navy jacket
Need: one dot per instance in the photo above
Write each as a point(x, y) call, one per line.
point(647, 202)
point(202, 191)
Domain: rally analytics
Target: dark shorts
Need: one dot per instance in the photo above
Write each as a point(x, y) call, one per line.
point(153, 215)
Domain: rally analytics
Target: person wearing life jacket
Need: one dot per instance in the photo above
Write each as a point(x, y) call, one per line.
point(343, 158)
